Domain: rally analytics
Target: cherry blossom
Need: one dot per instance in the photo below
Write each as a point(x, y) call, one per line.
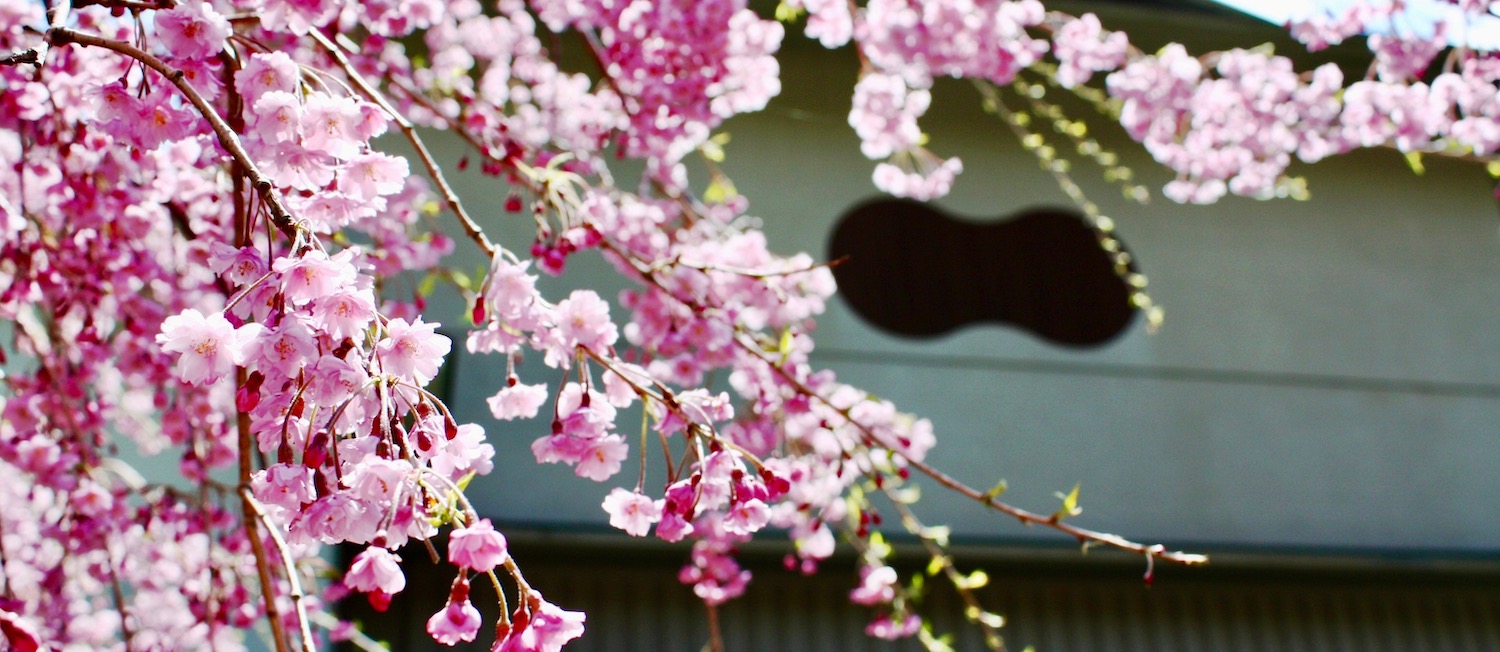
point(458, 622)
point(208, 346)
point(519, 401)
point(478, 547)
point(630, 511)
point(375, 570)
point(548, 629)
point(413, 350)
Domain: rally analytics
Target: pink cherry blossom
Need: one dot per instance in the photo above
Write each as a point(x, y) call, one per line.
point(265, 72)
point(477, 547)
point(284, 350)
point(549, 629)
point(278, 117)
point(412, 350)
point(375, 569)
point(630, 511)
point(373, 175)
point(876, 586)
point(889, 629)
point(602, 458)
point(345, 313)
point(329, 125)
point(192, 30)
point(582, 320)
point(314, 275)
point(208, 346)
point(747, 517)
point(458, 622)
point(288, 486)
point(518, 401)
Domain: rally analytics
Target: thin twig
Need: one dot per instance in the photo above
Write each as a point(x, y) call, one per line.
point(470, 227)
point(291, 569)
point(119, 597)
point(1027, 517)
point(909, 520)
point(31, 56)
point(252, 528)
point(715, 636)
point(944, 479)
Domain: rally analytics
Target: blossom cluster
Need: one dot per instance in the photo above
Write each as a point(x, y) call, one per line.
point(1224, 122)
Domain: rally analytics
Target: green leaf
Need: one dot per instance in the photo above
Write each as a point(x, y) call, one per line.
point(942, 643)
point(935, 565)
point(712, 151)
point(936, 533)
point(1414, 159)
point(429, 283)
point(975, 580)
point(720, 190)
point(1069, 504)
point(462, 280)
point(786, 13)
point(1494, 168)
point(996, 490)
point(906, 495)
point(463, 483)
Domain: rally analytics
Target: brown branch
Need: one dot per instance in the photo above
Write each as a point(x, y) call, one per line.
point(119, 597)
point(252, 527)
point(290, 565)
point(715, 636)
point(25, 56)
point(1026, 517)
point(944, 479)
point(280, 217)
point(132, 5)
point(470, 227)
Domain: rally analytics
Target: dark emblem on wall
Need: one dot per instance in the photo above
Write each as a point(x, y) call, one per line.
point(915, 271)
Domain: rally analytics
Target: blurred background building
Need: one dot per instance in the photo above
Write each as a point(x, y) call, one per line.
point(1318, 412)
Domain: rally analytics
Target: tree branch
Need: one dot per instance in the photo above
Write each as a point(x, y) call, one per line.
point(280, 217)
point(1027, 517)
point(290, 565)
point(449, 196)
point(252, 528)
point(25, 56)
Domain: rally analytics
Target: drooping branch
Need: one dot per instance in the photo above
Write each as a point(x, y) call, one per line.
point(295, 585)
point(470, 227)
point(1025, 516)
point(252, 526)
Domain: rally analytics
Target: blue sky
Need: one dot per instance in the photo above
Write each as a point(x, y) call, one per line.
point(1481, 32)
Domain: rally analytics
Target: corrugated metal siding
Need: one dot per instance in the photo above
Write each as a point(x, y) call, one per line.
point(634, 603)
